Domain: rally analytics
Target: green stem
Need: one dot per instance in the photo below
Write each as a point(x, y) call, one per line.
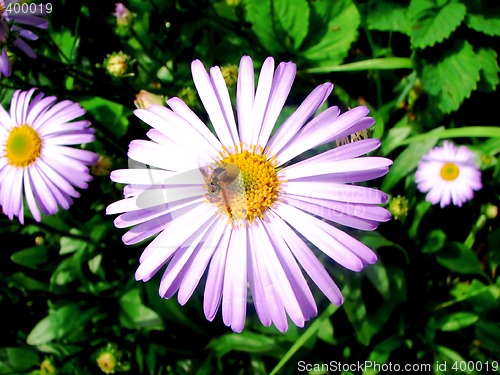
point(313, 328)
point(471, 238)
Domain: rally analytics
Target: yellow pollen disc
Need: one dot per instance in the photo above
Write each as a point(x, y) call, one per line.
point(23, 146)
point(244, 184)
point(449, 171)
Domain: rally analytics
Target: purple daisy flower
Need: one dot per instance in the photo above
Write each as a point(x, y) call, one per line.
point(232, 204)
point(11, 33)
point(448, 174)
point(34, 157)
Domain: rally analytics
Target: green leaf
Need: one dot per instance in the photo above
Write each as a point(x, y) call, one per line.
point(17, 360)
point(169, 309)
point(29, 283)
point(135, 315)
point(67, 43)
point(466, 132)
point(325, 333)
point(68, 322)
point(386, 63)
point(407, 161)
point(333, 28)
point(488, 334)
point(420, 211)
point(434, 241)
point(494, 248)
point(489, 69)
point(245, 342)
point(381, 352)
point(377, 274)
point(456, 321)
point(387, 16)
point(31, 257)
point(308, 334)
point(258, 13)
point(431, 23)
point(71, 245)
point(448, 354)
point(110, 115)
point(451, 79)
point(483, 18)
point(42, 333)
point(280, 25)
point(291, 19)
point(355, 310)
point(395, 137)
point(459, 258)
point(483, 298)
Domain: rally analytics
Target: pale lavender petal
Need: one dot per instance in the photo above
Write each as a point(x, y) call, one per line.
point(57, 179)
point(282, 84)
point(309, 228)
point(149, 228)
point(142, 215)
point(30, 198)
point(62, 199)
point(234, 295)
point(308, 260)
point(245, 92)
point(268, 304)
point(200, 263)
point(293, 124)
point(337, 192)
point(225, 105)
point(182, 260)
point(215, 277)
point(261, 100)
point(181, 109)
point(23, 46)
point(170, 239)
point(315, 168)
point(324, 128)
point(293, 273)
point(4, 63)
point(38, 108)
point(168, 122)
point(348, 217)
point(256, 279)
point(43, 194)
point(30, 20)
point(208, 97)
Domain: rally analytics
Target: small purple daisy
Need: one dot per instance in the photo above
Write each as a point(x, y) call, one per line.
point(34, 157)
point(11, 33)
point(448, 174)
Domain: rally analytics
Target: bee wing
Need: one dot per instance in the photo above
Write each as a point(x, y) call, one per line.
point(204, 169)
point(230, 174)
point(236, 188)
point(159, 189)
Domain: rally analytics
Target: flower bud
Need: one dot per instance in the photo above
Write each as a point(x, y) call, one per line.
point(398, 206)
point(117, 64)
point(145, 99)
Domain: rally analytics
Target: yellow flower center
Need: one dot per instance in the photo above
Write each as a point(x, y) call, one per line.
point(449, 171)
point(23, 146)
point(243, 184)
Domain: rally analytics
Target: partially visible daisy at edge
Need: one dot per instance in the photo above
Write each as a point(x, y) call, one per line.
point(448, 174)
point(11, 33)
point(36, 164)
point(250, 236)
